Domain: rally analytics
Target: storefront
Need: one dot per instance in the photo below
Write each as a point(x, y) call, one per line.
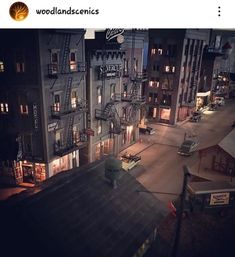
point(104, 147)
point(165, 114)
point(65, 162)
point(29, 172)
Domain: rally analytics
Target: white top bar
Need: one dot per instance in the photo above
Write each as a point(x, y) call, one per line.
point(123, 13)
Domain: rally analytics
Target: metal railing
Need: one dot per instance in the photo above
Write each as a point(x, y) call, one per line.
point(54, 69)
point(61, 110)
point(61, 148)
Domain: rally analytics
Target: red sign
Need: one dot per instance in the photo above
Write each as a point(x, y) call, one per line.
point(90, 132)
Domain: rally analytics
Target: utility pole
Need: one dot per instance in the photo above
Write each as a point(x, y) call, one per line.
point(179, 214)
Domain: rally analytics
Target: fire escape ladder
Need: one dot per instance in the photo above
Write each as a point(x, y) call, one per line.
point(70, 131)
point(65, 61)
point(107, 109)
point(115, 119)
point(131, 117)
point(67, 99)
point(134, 90)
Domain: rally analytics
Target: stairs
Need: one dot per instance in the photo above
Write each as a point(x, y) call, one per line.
point(116, 123)
point(67, 98)
point(69, 142)
point(65, 58)
point(107, 110)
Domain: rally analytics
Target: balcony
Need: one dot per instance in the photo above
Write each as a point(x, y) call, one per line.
point(138, 99)
point(54, 69)
point(61, 149)
point(212, 51)
point(139, 77)
point(58, 111)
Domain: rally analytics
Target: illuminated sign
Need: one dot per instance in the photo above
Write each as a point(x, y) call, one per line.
point(111, 70)
point(52, 126)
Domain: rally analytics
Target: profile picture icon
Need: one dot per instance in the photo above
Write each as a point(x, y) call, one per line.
point(19, 11)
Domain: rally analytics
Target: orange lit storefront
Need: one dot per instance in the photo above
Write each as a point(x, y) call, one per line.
point(164, 113)
point(29, 172)
point(34, 172)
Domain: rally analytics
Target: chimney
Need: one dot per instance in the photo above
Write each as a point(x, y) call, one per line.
point(112, 170)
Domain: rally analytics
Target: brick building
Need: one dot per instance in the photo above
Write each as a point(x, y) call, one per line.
point(43, 103)
point(174, 63)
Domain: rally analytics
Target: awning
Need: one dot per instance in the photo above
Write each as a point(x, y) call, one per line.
point(204, 93)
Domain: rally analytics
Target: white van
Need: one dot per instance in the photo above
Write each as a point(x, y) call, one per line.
point(219, 100)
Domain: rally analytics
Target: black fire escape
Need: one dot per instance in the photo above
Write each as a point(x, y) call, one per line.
point(109, 113)
point(68, 110)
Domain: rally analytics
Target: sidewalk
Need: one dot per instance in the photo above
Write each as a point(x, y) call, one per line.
point(6, 192)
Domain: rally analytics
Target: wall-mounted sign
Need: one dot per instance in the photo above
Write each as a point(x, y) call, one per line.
point(90, 132)
point(110, 71)
point(114, 33)
point(219, 199)
point(52, 126)
point(35, 116)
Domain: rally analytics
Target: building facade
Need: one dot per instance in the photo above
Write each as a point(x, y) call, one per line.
point(174, 63)
point(114, 91)
point(43, 103)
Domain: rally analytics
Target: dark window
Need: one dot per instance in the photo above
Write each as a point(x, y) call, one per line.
point(54, 57)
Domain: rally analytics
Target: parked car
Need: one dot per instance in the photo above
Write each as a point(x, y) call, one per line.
point(129, 161)
point(196, 116)
point(219, 100)
point(147, 130)
point(187, 147)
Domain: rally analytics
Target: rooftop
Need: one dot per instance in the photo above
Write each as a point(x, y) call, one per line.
point(78, 213)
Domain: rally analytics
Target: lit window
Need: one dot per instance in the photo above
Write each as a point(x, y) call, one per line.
point(76, 135)
point(74, 99)
point(153, 51)
point(167, 68)
point(135, 65)
point(4, 107)
point(73, 61)
point(56, 105)
point(99, 127)
point(24, 109)
point(125, 67)
point(124, 90)
point(150, 97)
point(112, 91)
point(99, 96)
point(157, 49)
point(1, 66)
point(153, 83)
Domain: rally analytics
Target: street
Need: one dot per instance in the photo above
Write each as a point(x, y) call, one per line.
point(162, 166)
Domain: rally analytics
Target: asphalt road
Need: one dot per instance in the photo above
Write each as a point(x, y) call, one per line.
point(202, 235)
point(162, 166)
